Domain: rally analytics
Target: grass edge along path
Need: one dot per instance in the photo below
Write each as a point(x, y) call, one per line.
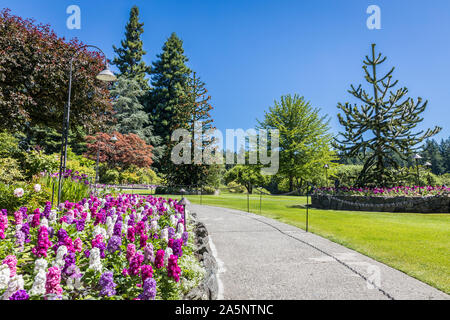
point(416, 244)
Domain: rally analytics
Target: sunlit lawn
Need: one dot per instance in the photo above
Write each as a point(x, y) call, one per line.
point(417, 244)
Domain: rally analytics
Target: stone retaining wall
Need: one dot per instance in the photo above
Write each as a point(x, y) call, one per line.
point(209, 287)
point(429, 204)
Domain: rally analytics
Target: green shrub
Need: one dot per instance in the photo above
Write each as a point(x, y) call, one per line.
point(35, 162)
point(208, 190)
point(234, 187)
point(110, 176)
point(9, 145)
point(10, 171)
point(30, 198)
point(80, 164)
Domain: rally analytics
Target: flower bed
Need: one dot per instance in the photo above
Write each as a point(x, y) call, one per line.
point(127, 247)
point(399, 191)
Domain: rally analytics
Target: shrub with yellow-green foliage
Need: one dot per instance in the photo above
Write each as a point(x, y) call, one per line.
point(10, 171)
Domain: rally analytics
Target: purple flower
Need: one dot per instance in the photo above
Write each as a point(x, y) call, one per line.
point(118, 229)
point(20, 295)
point(107, 284)
point(70, 260)
point(171, 232)
point(149, 292)
point(114, 243)
point(185, 237)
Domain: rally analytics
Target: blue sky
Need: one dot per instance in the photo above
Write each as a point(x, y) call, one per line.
point(250, 53)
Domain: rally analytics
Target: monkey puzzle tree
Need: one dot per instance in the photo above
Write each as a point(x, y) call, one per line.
point(381, 128)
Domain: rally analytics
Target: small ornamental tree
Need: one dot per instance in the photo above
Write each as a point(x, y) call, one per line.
point(380, 130)
point(248, 176)
point(34, 78)
point(128, 150)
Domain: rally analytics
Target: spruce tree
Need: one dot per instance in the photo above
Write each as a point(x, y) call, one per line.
point(129, 56)
point(169, 78)
point(130, 114)
point(381, 128)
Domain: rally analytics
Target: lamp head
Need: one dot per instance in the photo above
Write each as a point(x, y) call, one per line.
point(106, 75)
point(184, 202)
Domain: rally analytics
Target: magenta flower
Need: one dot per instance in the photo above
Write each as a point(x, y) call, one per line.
point(43, 243)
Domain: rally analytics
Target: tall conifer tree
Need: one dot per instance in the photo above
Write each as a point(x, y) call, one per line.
point(169, 78)
point(130, 54)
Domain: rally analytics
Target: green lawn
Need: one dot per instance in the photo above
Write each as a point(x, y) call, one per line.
point(417, 244)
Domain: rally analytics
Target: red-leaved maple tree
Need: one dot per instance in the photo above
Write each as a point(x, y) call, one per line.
point(129, 149)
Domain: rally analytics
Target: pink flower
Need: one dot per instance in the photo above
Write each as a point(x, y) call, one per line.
point(52, 286)
point(173, 270)
point(159, 259)
point(131, 251)
point(135, 264)
point(11, 262)
point(3, 225)
point(78, 245)
point(37, 188)
point(43, 243)
point(18, 217)
point(146, 272)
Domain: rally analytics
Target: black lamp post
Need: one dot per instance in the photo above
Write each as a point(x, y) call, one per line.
point(417, 157)
point(184, 202)
point(107, 76)
point(428, 165)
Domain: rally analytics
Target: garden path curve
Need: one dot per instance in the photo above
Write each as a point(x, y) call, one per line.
point(261, 258)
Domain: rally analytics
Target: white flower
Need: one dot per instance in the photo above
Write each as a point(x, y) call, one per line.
point(60, 253)
point(154, 225)
point(40, 264)
point(99, 230)
point(173, 220)
point(19, 192)
point(44, 222)
point(88, 216)
point(165, 234)
point(167, 254)
point(52, 216)
point(39, 283)
point(4, 276)
point(94, 260)
point(37, 188)
point(109, 227)
point(125, 225)
point(15, 284)
point(180, 228)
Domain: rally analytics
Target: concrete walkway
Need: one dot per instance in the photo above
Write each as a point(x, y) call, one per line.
point(260, 258)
